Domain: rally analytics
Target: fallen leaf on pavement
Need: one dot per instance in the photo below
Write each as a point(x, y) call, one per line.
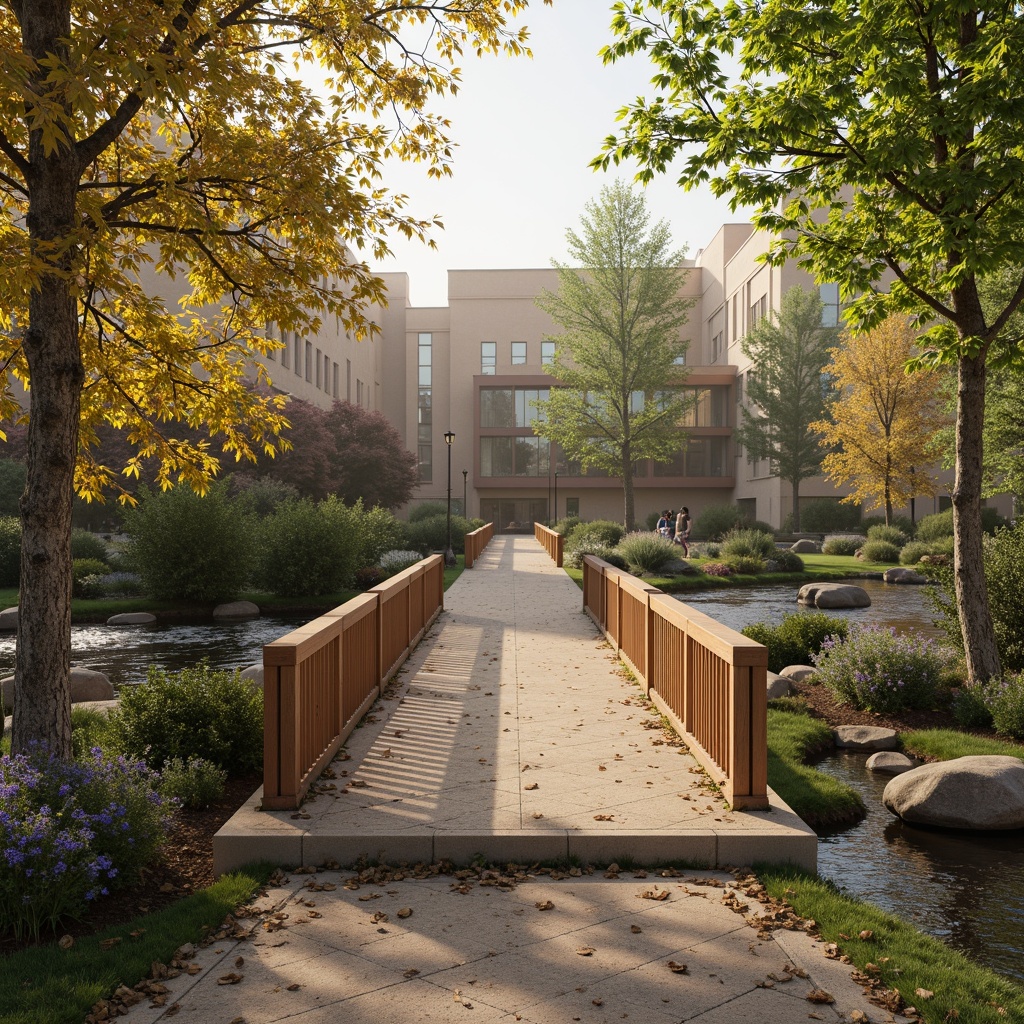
point(545, 905)
point(586, 951)
point(819, 995)
point(405, 912)
point(532, 785)
point(229, 979)
point(635, 929)
point(677, 968)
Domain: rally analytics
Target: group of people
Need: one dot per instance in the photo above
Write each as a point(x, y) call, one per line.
point(676, 527)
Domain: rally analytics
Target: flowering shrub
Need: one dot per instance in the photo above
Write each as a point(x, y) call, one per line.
point(796, 639)
point(395, 561)
point(69, 832)
point(717, 569)
point(193, 783)
point(647, 552)
point(876, 669)
point(748, 565)
point(1005, 700)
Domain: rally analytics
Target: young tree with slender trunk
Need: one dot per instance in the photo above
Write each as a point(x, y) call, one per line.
point(788, 350)
point(883, 422)
point(619, 358)
point(160, 149)
point(878, 141)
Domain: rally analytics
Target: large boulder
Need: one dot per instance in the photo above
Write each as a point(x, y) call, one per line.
point(805, 547)
point(131, 619)
point(799, 673)
point(86, 685)
point(901, 574)
point(865, 737)
point(984, 793)
point(236, 610)
point(253, 675)
point(9, 618)
point(778, 686)
point(890, 762)
point(833, 595)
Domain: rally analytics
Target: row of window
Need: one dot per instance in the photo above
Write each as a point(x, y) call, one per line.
point(316, 367)
point(424, 415)
point(517, 355)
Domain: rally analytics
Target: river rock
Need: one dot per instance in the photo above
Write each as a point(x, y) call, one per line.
point(901, 574)
point(890, 762)
point(253, 674)
point(865, 737)
point(833, 595)
point(778, 686)
point(799, 673)
point(978, 793)
point(236, 610)
point(131, 619)
point(86, 685)
point(9, 618)
point(805, 547)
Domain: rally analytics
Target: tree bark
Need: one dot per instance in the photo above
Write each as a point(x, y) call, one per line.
point(42, 699)
point(969, 569)
point(629, 512)
point(795, 484)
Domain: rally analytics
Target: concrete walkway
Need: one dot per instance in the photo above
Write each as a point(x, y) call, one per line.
point(511, 736)
point(512, 733)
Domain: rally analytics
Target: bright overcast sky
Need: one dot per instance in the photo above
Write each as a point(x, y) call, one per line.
point(526, 131)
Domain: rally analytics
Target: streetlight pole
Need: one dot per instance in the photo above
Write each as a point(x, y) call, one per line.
point(449, 554)
point(465, 499)
point(556, 497)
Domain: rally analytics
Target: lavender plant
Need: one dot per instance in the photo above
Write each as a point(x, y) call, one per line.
point(70, 832)
point(877, 669)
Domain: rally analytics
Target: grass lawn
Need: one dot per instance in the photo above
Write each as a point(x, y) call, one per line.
point(49, 985)
point(945, 744)
point(898, 954)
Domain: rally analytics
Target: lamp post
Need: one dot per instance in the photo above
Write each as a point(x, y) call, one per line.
point(465, 499)
point(556, 496)
point(449, 554)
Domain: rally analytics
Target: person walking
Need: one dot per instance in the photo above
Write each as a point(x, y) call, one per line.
point(683, 530)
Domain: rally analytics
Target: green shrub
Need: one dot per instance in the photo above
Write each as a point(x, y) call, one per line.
point(876, 669)
point(825, 515)
point(87, 545)
point(796, 639)
point(760, 526)
point(427, 510)
point(198, 712)
point(842, 544)
point(715, 521)
point(744, 543)
point(1005, 700)
point(891, 534)
point(599, 531)
point(431, 534)
point(880, 551)
point(86, 574)
point(188, 547)
point(567, 525)
point(381, 532)
point(901, 523)
point(89, 728)
point(259, 497)
point(651, 521)
point(305, 551)
point(939, 525)
point(746, 565)
point(785, 561)
point(647, 552)
point(970, 711)
point(1003, 556)
point(911, 553)
point(10, 551)
point(573, 554)
point(12, 486)
point(194, 783)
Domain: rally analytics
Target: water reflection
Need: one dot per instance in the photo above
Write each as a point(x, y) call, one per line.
point(125, 653)
point(905, 607)
point(967, 889)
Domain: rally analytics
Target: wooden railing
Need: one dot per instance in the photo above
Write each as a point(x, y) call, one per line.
point(709, 680)
point(320, 679)
point(554, 543)
point(476, 542)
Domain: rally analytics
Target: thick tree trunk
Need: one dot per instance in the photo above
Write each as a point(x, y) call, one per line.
point(629, 513)
point(795, 484)
point(969, 569)
point(42, 703)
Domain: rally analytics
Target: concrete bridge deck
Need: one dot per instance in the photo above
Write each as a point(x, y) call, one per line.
point(513, 734)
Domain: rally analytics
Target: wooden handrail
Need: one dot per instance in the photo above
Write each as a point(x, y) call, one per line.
point(553, 543)
point(709, 680)
point(320, 679)
point(476, 542)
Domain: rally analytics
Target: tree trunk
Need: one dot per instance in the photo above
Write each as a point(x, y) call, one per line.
point(795, 484)
point(42, 699)
point(629, 514)
point(968, 565)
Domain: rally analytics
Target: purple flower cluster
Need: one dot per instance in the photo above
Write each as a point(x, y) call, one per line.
point(69, 831)
point(878, 669)
point(717, 569)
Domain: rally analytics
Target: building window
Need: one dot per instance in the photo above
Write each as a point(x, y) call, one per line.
point(297, 341)
point(758, 310)
point(739, 389)
point(424, 406)
point(514, 456)
point(488, 358)
point(335, 380)
point(518, 353)
point(348, 380)
point(572, 507)
point(426, 454)
point(717, 345)
point(319, 371)
point(680, 360)
point(511, 407)
point(285, 353)
point(547, 353)
point(309, 362)
point(829, 295)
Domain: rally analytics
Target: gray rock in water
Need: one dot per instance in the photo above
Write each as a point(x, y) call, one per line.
point(805, 547)
point(865, 737)
point(131, 619)
point(86, 685)
point(833, 595)
point(9, 618)
point(799, 673)
point(901, 574)
point(976, 793)
point(253, 674)
point(236, 610)
point(890, 762)
point(778, 686)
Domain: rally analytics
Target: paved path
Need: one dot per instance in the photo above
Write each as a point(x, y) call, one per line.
point(512, 733)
